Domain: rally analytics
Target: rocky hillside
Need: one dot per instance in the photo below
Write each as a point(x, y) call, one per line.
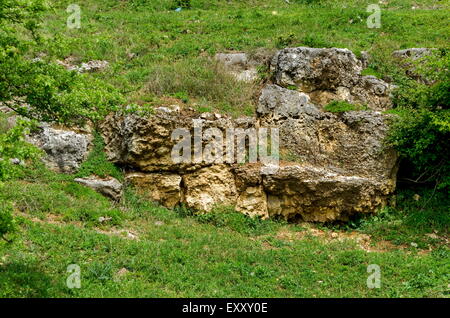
point(337, 166)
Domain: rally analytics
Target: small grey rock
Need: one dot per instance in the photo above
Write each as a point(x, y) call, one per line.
point(109, 187)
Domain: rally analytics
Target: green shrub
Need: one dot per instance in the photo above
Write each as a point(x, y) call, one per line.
point(39, 88)
point(7, 224)
point(422, 129)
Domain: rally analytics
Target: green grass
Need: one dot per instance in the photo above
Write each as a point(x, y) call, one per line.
point(342, 106)
point(97, 163)
point(421, 216)
point(172, 50)
point(222, 254)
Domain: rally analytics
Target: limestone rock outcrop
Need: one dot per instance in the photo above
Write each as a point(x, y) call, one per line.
point(329, 74)
point(337, 163)
point(239, 65)
point(164, 188)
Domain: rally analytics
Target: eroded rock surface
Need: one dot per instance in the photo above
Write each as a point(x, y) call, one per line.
point(413, 53)
point(239, 65)
point(164, 188)
point(329, 74)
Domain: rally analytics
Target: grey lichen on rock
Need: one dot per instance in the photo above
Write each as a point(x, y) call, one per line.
point(239, 65)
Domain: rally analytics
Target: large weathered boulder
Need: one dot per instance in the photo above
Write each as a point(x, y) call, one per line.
point(349, 143)
point(329, 74)
point(209, 186)
point(65, 149)
point(338, 164)
point(316, 69)
point(317, 194)
point(146, 143)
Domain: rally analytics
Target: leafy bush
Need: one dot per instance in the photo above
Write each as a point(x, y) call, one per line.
point(422, 131)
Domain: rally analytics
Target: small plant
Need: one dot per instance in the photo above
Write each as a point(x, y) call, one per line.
point(183, 96)
point(315, 41)
point(14, 151)
point(340, 106)
point(97, 163)
point(422, 128)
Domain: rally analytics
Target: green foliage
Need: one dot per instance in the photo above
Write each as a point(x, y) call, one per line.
point(315, 40)
point(371, 71)
point(7, 223)
point(38, 88)
point(183, 4)
point(285, 41)
point(65, 200)
point(340, 106)
point(97, 163)
point(13, 147)
point(182, 95)
point(422, 129)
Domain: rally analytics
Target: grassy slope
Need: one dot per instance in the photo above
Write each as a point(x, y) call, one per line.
point(224, 254)
point(171, 47)
point(189, 256)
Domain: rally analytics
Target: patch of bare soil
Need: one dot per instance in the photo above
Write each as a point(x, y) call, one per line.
point(364, 241)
